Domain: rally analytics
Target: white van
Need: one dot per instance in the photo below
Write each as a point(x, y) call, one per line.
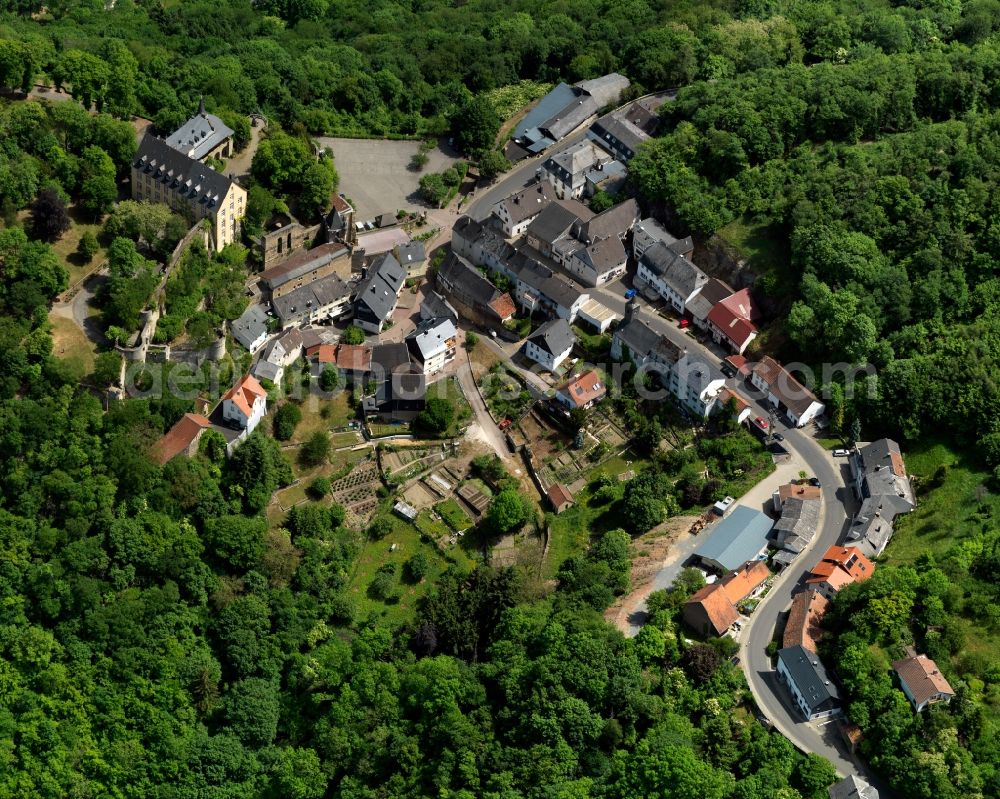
point(840, 453)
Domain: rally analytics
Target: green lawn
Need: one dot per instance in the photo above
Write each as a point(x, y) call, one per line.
point(379, 429)
point(453, 514)
point(765, 248)
point(71, 344)
point(946, 514)
point(374, 554)
point(431, 527)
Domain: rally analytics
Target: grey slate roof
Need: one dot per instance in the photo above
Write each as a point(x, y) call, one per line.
point(614, 222)
point(249, 327)
point(677, 272)
point(456, 272)
point(799, 518)
point(430, 337)
point(557, 218)
point(543, 280)
point(852, 787)
point(644, 342)
point(712, 292)
point(555, 337)
point(657, 232)
point(320, 292)
point(390, 357)
point(411, 254)
point(696, 373)
point(265, 370)
point(201, 134)
point(549, 106)
point(619, 134)
point(885, 477)
point(737, 538)
point(527, 202)
point(303, 262)
point(810, 677)
point(606, 89)
point(378, 290)
point(435, 306)
point(184, 176)
point(603, 255)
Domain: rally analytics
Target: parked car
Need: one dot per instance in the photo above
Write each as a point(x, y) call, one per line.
point(814, 481)
point(778, 437)
point(685, 323)
point(629, 294)
point(761, 422)
point(840, 453)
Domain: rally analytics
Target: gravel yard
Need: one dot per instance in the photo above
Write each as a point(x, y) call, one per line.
point(375, 174)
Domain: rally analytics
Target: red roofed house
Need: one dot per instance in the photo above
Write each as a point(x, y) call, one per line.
point(840, 566)
point(354, 359)
point(182, 437)
point(729, 398)
point(731, 321)
point(559, 497)
point(922, 681)
point(582, 391)
point(245, 404)
point(712, 609)
point(802, 628)
point(322, 353)
point(784, 392)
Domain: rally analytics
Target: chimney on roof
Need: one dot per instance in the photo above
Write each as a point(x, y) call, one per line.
point(201, 105)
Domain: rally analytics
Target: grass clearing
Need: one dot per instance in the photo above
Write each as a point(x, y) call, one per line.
point(70, 343)
point(374, 554)
point(66, 246)
point(453, 514)
point(766, 250)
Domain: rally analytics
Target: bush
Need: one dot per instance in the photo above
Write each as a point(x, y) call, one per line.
point(415, 568)
point(329, 378)
point(315, 450)
point(379, 528)
point(508, 512)
point(87, 247)
point(383, 583)
point(436, 417)
point(471, 339)
point(319, 488)
point(353, 335)
point(286, 419)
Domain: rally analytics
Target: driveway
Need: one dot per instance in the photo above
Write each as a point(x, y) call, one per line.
point(78, 304)
point(375, 174)
point(484, 428)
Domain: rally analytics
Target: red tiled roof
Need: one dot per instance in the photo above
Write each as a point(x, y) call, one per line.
point(245, 393)
point(780, 382)
point(340, 204)
point(354, 357)
point(584, 389)
point(922, 677)
point(559, 495)
point(798, 491)
point(503, 306)
point(179, 437)
point(728, 394)
point(803, 627)
point(841, 566)
point(738, 585)
point(716, 606)
point(734, 317)
point(323, 353)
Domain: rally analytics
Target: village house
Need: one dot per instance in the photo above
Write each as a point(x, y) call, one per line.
point(567, 170)
point(808, 682)
point(729, 398)
point(323, 300)
point(712, 292)
point(473, 296)
point(550, 344)
point(279, 354)
point(245, 404)
point(838, 567)
point(180, 439)
point(518, 210)
point(796, 527)
point(412, 256)
point(582, 392)
point(378, 293)
point(162, 174)
point(880, 481)
point(283, 236)
point(435, 306)
point(922, 681)
point(559, 497)
point(649, 232)
point(673, 276)
point(400, 386)
point(784, 392)
point(712, 609)
point(305, 267)
point(433, 344)
point(731, 321)
point(621, 132)
point(538, 289)
point(852, 787)
point(250, 329)
point(803, 625)
point(696, 385)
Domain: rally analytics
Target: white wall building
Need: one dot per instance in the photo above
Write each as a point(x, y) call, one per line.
point(245, 404)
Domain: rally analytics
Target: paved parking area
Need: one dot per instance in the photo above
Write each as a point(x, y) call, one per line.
point(375, 173)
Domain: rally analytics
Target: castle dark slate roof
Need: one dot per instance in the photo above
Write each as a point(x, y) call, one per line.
point(184, 176)
point(200, 135)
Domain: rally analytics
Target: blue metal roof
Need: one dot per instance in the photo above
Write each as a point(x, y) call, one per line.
point(737, 538)
point(549, 106)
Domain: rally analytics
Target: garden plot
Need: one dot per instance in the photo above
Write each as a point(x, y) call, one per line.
point(476, 496)
point(419, 496)
point(404, 464)
point(358, 492)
